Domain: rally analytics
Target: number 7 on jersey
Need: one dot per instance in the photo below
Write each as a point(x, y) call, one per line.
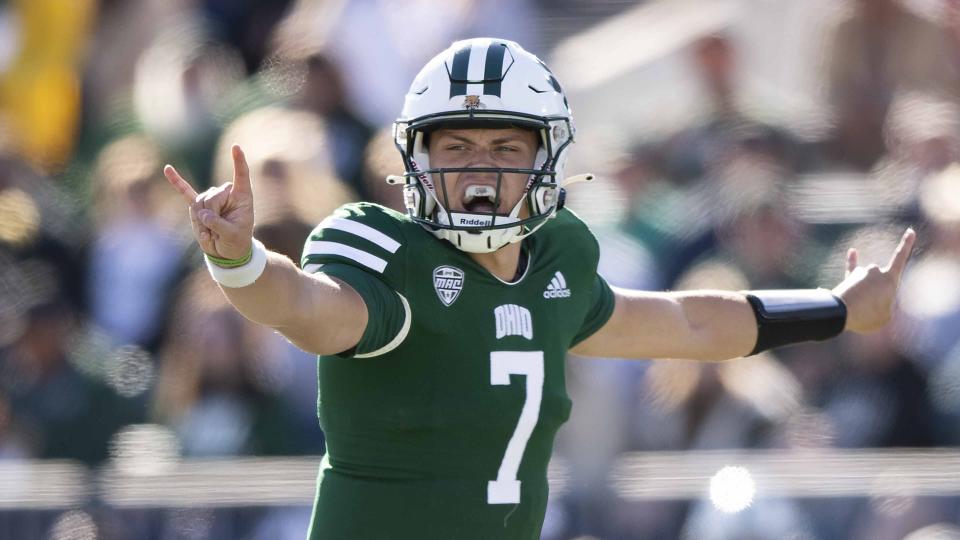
point(506, 488)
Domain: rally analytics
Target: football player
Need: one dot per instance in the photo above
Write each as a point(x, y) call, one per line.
point(442, 332)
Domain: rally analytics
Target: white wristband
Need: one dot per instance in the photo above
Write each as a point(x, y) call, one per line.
point(240, 276)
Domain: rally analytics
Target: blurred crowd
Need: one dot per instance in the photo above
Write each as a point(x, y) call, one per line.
point(108, 320)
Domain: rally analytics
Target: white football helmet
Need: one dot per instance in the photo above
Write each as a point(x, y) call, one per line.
point(484, 83)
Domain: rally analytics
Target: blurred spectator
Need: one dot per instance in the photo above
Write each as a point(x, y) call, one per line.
point(930, 297)
point(381, 159)
point(757, 231)
point(181, 91)
point(290, 164)
point(136, 253)
point(213, 389)
point(881, 49)
point(282, 228)
point(245, 24)
point(661, 218)
point(922, 134)
point(877, 396)
point(346, 134)
point(122, 30)
point(62, 412)
point(923, 130)
point(42, 223)
point(726, 127)
point(743, 217)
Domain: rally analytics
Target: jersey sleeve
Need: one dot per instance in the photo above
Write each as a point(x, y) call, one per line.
point(601, 308)
point(361, 246)
point(388, 319)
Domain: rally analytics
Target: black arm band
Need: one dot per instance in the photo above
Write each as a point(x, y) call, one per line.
point(792, 316)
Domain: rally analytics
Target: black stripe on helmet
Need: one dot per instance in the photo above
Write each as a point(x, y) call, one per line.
point(458, 72)
point(554, 83)
point(493, 69)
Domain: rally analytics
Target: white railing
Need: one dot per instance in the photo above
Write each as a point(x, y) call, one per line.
point(634, 476)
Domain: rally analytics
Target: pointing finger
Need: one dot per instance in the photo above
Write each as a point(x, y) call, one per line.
point(181, 185)
point(241, 171)
point(899, 260)
point(851, 260)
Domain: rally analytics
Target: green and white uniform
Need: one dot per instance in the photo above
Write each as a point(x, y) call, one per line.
point(441, 422)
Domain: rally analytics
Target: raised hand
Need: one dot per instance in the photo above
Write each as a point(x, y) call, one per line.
point(869, 292)
point(222, 217)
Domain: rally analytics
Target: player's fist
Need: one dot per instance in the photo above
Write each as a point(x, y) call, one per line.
point(222, 216)
point(869, 292)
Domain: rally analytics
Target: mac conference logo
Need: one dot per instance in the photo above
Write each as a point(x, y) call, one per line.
point(448, 282)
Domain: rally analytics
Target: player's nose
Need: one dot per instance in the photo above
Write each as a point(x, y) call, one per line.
point(479, 176)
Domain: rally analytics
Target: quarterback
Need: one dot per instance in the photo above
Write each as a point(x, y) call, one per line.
point(442, 332)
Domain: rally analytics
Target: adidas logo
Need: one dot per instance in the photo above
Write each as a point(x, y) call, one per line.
point(557, 288)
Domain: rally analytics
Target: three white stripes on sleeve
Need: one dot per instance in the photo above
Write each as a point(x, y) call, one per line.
point(322, 247)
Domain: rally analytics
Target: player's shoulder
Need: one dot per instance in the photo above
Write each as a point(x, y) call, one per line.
point(369, 214)
point(360, 234)
point(568, 232)
point(567, 218)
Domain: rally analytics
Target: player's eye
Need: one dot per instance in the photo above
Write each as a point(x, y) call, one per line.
point(456, 147)
point(507, 149)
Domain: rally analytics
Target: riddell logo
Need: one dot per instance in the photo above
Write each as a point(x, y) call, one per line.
point(557, 288)
point(462, 220)
point(473, 222)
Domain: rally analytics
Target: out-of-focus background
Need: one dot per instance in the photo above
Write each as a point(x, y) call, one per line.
point(740, 144)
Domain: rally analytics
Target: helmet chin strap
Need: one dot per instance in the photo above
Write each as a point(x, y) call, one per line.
point(443, 216)
point(483, 241)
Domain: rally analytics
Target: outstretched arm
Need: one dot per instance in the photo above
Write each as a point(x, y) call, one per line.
point(718, 325)
point(318, 314)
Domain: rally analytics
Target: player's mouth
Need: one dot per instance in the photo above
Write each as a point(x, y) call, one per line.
point(479, 199)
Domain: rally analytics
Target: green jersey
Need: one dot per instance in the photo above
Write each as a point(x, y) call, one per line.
point(440, 423)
